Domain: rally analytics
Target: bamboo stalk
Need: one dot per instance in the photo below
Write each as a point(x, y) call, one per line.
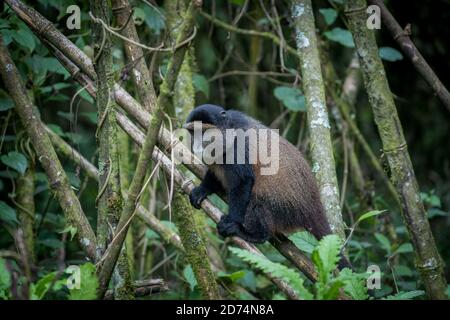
point(64, 149)
point(318, 122)
point(110, 257)
point(109, 196)
point(137, 66)
point(133, 108)
point(428, 260)
point(58, 180)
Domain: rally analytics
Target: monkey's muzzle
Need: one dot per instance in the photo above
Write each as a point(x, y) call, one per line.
point(191, 126)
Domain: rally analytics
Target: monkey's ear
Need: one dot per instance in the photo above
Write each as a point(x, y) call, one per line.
point(223, 114)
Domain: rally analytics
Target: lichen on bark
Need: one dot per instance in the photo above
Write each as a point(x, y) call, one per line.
point(323, 163)
point(428, 260)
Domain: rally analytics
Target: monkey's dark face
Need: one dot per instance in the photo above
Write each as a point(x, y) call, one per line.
point(209, 116)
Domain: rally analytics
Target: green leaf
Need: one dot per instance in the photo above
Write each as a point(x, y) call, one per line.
point(5, 280)
point(71, 230)
point(56, 129)
point(329, 14)
point(154, 18)
point(369, 214)
point(409, 295)
point(276, 269)
point(341, 36)
point(24, 37)
point(403, 271)
point(15, 160)
point(354, 284)
point(404, 248)
point(8, 214)
point(304, 240)
point(292, 98)
point(326, 255)
point(40, 288)
point(232, 277)
point(88, 284)
point(151, 235)
point(6, 104)
point(384, 242)
point(92, 116)
point(390, 54)
point(201, 84)
point(189, 276)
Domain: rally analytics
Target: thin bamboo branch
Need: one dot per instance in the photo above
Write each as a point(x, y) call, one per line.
point(428, 260)
point(323, 166)
point(110, 257)
point(64, 149)
point(140, 73)
point(58, 180)
point(410, 50)
point(130, 105)
point(109, 197)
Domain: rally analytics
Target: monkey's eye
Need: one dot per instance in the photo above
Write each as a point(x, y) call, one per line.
point(223, 114)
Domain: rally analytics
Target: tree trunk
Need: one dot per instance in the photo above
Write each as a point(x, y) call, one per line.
point(428, 261)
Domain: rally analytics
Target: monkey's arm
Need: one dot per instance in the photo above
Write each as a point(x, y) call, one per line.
point(240, 180)
point(209, 185)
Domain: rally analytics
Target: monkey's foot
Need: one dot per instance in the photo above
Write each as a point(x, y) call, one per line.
point(227, 228)
point(196, 197)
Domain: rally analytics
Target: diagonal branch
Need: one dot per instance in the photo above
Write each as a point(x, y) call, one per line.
point(46, 154)
point(408, 47)
point(110, 257)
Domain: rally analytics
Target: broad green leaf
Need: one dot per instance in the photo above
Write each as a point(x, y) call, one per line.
point(70, 230)
point(189, 276)
point(56, 129)
point(304, 240)
point(404, 248)
point(201, 84)
point(329, 14)
point(7, 36)
point(92, 116)
point(8, 214)
point(409, 295)
point(88, 284)
point(150, 234)
point(233, 277)
point(5, 280)
point(154, 18)
point(292, 98)
point(24, 37)
point(403, 271)
point(390, 54)
point(15, 160)
point(369, 214)
point(384, 242)
point(6, 104)
point(341, 36)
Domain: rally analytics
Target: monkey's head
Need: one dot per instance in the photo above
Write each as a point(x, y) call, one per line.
point(208, 116)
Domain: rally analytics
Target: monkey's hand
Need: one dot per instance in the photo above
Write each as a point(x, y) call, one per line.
point(228, 227)
point(197, 195)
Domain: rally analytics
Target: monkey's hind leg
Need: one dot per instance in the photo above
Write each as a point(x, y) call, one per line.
point(254, 229)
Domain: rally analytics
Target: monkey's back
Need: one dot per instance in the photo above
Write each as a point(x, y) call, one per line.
point(289, 199)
